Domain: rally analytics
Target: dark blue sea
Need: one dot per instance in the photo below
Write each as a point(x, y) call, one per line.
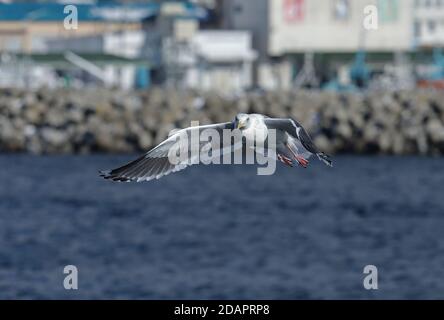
point(222, 231)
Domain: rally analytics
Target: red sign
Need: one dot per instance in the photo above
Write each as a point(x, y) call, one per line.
point(293, 10)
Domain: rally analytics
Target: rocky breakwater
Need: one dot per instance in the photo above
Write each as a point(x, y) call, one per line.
point(83, 121)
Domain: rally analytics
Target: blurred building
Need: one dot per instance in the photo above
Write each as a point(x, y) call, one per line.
point(429, 36)
point(343, 52)
point(221, 61)
point(123, 45)
point(114, 44)
point(192, 56)
point(429, 23)
point(316, 41)
point(38, 50)
point(24, 27)
point(143, 46)
point(226, 45)
point(299, 26)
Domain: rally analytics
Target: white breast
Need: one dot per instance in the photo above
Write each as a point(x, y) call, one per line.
point(256, 132)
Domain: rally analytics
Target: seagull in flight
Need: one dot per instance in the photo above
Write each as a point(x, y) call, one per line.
point(292, 145)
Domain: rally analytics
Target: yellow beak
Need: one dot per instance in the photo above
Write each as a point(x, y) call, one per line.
point(240, 125)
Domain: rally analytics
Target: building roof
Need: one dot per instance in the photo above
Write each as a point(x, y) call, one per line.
point(105, 12)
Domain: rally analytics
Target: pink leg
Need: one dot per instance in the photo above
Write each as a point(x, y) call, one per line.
point(302, 162)
point(285, 160)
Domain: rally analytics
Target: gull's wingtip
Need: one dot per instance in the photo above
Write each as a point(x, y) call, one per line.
point(104, 173)
point(325, 158)
point(108, 175)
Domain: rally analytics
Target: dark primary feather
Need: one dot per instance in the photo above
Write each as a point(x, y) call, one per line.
point(307, 142)
point(325, 158)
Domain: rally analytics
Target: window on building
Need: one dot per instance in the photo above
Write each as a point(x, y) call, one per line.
point(417, 29)
point(389, 10)
point(237, 8)
point(294, 10)
point(431, 25)
point(341, 9)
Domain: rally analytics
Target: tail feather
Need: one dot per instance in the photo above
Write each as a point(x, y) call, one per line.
point(325, 159)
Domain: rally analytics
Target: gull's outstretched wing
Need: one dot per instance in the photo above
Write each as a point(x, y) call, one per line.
point(294, 129)
point(157, 163)
point(297, 131)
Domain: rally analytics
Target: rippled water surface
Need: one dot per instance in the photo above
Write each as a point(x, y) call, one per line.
point(222, 231)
